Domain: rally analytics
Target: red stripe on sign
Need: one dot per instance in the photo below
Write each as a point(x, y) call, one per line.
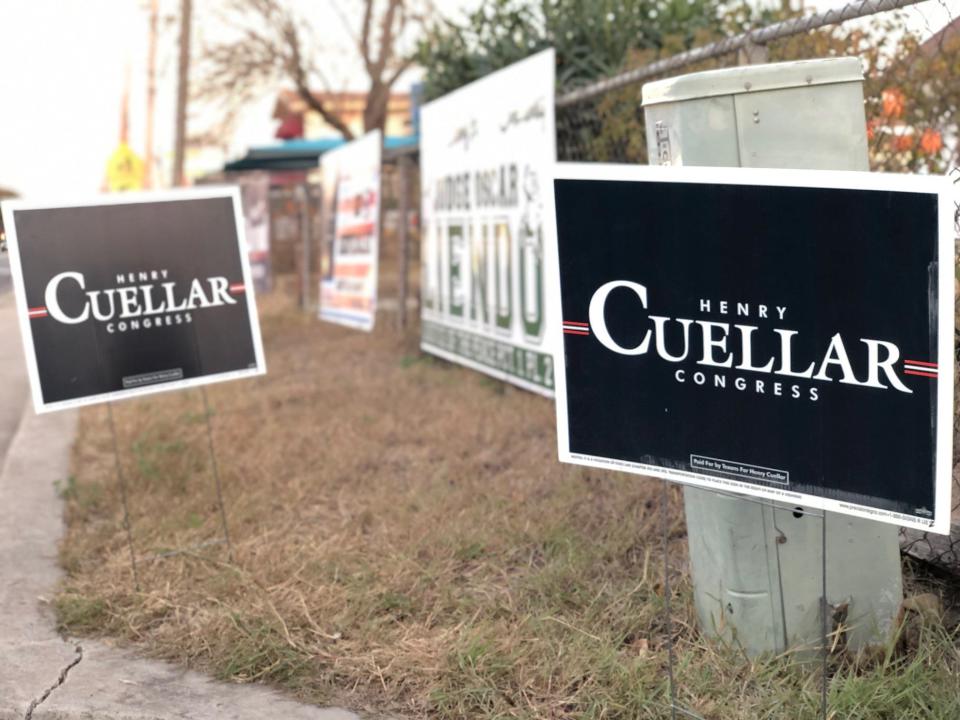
point(355, 230)
point(919, 362)
point(237, 288)
point(576, 332)
point(922, 374)
point(42, 308)
point(571, 322)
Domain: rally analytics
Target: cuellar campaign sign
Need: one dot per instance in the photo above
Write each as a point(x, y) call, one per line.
point(132, 294)
point(351, 232)
point(782, 334)
point(485, 157)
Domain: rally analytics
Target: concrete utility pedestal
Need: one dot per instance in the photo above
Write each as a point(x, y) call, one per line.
point(756, 566)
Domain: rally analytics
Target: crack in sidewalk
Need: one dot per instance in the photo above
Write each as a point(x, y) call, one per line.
point(60, 681)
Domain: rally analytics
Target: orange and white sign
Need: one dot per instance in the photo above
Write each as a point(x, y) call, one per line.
point(351, 187)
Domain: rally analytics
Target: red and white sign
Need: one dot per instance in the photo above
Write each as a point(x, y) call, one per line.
point(351, 187)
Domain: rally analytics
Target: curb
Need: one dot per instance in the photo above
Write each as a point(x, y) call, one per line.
point(46, 677)
point(31, 652)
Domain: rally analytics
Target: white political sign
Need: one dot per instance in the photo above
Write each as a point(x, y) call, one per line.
point(349, 259)
point(487, 150)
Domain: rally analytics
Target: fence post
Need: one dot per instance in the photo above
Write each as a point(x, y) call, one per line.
point(756, 567)
point(750, 53)
point(305, 239)
point(403, 236)
point(271, 229)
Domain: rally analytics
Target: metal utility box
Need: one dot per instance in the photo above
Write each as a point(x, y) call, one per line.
point(806, 114)
point(756, 566)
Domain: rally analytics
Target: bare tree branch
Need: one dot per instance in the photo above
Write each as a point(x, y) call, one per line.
point(387, 35)
point(404, 65)
point(269, 48)
point(298, 73)
point(365, 36)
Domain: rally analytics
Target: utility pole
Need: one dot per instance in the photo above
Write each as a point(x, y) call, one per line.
point(125, 108)
point(183, 89)
point(151, 92)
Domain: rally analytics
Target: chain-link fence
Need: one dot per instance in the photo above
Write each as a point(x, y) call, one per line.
point(300, 240)
point(944, 552)
point(910, 87)
point(400, 237)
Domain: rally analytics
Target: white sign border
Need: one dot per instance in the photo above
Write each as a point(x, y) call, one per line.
point(831, 179)
point(9, 207)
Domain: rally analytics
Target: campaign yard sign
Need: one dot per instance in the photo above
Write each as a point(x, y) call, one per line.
point(485, 154)
point(255, 193)
point(351, 232)
point(781, 334)
point(132, 294)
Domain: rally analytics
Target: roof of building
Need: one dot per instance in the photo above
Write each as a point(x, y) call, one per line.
point(301, 154)
point(290, 102)
point(948, 33)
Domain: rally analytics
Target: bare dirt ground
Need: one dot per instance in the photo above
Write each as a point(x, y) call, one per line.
point(404, 541)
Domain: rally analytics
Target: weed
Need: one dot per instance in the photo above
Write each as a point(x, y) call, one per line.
point(80, 614)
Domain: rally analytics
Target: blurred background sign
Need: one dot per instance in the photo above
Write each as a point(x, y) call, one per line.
point(124, 170)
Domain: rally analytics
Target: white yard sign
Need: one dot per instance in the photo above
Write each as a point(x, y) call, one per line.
point(348, 283)
point(486, 154)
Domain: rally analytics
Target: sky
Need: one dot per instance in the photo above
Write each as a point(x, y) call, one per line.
point(63, 65)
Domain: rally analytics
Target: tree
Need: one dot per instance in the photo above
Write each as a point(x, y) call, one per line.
point(272, 45)
point(911, 95)
point(593, 38)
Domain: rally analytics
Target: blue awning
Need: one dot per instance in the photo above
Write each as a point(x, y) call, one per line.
point(301, 154)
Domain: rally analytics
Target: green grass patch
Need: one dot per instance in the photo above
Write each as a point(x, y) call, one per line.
point(79, 614)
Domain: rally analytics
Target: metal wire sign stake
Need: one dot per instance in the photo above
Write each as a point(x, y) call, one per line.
point(668, 614)
point(665, 526)
point(216, 474)
point(124, 492)
point(123, 497)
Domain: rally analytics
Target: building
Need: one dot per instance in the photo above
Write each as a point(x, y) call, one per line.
point(4, 195)
point(945, 37)
point(298, 120)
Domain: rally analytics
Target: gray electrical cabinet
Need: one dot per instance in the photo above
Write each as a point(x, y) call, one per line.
point(756, 566)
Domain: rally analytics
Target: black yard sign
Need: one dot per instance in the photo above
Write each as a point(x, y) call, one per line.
point(781, 334)
point(132, 294)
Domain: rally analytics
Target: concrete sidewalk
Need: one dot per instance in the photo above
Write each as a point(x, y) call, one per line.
point(44, 676)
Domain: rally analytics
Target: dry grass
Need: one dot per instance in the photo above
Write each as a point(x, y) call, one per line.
point(405, 542)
